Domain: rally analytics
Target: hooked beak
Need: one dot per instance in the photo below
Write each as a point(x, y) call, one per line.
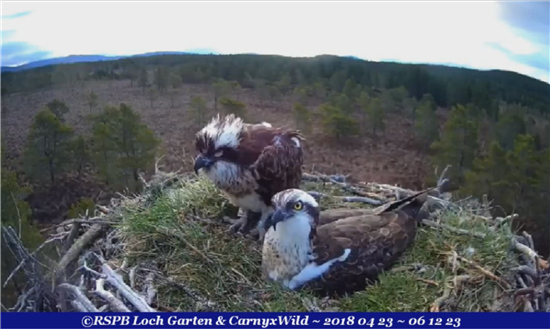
point(201, 162)
point(277, 217)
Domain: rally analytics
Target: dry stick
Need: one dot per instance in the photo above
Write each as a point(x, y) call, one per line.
point(79, 295)
point(486, 272)
point(18, 214)
point(529, 239)
point(358, 199)
point(79, 306)
point(526, 270)
point(72, 236)
point(114, 303)
point(150, 290)
point(533, 256)
point(90, 236)
point(95, 220)
point(116, 281)
point(431, 202)
point(453, 229)
point(457, 280)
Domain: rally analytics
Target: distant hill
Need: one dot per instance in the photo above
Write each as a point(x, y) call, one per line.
point(60, 60)
point(95, 58)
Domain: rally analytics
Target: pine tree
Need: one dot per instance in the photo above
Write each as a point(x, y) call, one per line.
point(161, 78)
point(458, 144)
point(121, 139)
point(153, 95)
point(47, 151)
point(143, 80)
point(338, 123)
point(426, 125)
point(80, 154)
point(364, 104)
point(231, 106)
point(58, 108)
point(199, 111)
point(375, 116)
point(284, 83)
point(220, 87)
point(91, 100)
point(302, 117)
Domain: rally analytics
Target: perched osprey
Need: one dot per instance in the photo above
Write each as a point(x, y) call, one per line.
point(250, 163)
point(343, 253)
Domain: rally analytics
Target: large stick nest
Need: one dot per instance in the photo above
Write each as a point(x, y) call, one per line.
point(168, 249)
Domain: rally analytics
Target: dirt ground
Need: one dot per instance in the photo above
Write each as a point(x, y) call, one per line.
point(390, 158)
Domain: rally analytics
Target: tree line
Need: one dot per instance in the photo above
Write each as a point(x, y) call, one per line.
point(449, 86)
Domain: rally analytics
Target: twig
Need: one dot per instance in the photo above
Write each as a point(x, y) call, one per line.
point(116, 304)
point(426, 281)
point(358, 199)
point(486, 272)
point(26, 259)
point(453, 229)
point(91, 221)
point(456, 281)
point(150, 290)
point(132, 276)
point(18, 214)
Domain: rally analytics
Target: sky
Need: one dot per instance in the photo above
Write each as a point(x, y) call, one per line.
point(513, 36)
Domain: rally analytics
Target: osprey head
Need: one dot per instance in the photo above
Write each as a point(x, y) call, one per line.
point(221, 135)
point(293, 208)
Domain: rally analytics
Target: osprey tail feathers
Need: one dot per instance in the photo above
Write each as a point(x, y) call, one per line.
point(411, 205)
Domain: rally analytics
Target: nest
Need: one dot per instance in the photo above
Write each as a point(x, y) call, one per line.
point(167, 249)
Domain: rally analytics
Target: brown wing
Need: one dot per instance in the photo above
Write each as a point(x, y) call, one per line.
point(375, 241)
point(279, 166)
point(331, 215)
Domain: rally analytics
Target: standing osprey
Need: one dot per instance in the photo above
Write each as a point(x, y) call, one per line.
point(250, 163)
point(342, 254)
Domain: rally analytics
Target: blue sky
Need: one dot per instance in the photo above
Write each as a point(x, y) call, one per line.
point(510, 36)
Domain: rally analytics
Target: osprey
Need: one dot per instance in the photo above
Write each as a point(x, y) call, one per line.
point(250, 163)
point(343, 253)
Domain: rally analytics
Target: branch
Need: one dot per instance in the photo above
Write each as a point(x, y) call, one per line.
point(116, 281)
point(91, 221)
point(87, 238)
point(533, 256)
point(453, 229)
point(116, 304)
point(26, 259)
point(78, 295)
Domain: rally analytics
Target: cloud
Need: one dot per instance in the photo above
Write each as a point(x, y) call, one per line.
point(16, 15)
point(16, 53)
point(480, 35)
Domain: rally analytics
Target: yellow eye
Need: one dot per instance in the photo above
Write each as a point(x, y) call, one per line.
point(298, 205)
